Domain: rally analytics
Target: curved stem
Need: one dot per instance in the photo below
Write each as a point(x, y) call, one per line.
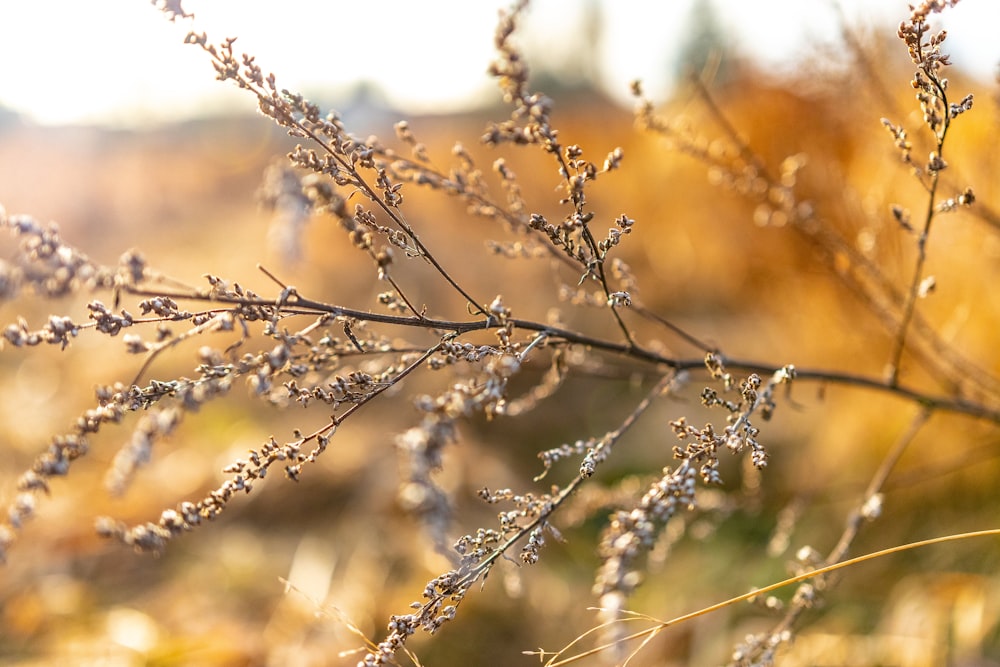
point(297, 305)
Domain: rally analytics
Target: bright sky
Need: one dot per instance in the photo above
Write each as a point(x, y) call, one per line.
point(121, 62)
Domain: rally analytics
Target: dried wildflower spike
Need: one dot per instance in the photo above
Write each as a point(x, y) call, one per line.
point(938, 112)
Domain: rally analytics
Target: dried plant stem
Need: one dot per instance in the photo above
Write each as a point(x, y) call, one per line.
point(460, 581)
point(909, 307)
point(874, 487)
point(883, 299)
point(302, 306)
point(868, 509)
point(554, 661)
point(157, 349)
point(281, 113)
point(933, 97)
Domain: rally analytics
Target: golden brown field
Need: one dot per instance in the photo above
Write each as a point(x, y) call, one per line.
point(763, 232)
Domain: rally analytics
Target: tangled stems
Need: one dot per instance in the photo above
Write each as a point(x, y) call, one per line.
point(343, 154)
point(298, 305)
point(649, 633)
point(493, 362)
point(481, 552)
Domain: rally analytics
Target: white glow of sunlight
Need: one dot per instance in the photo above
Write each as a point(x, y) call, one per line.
point(120, 62)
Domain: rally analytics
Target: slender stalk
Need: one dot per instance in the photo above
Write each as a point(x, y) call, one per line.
point(662, 625)
point(303, 306)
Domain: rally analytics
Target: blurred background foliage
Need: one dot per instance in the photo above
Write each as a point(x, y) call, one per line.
point(185, 195)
